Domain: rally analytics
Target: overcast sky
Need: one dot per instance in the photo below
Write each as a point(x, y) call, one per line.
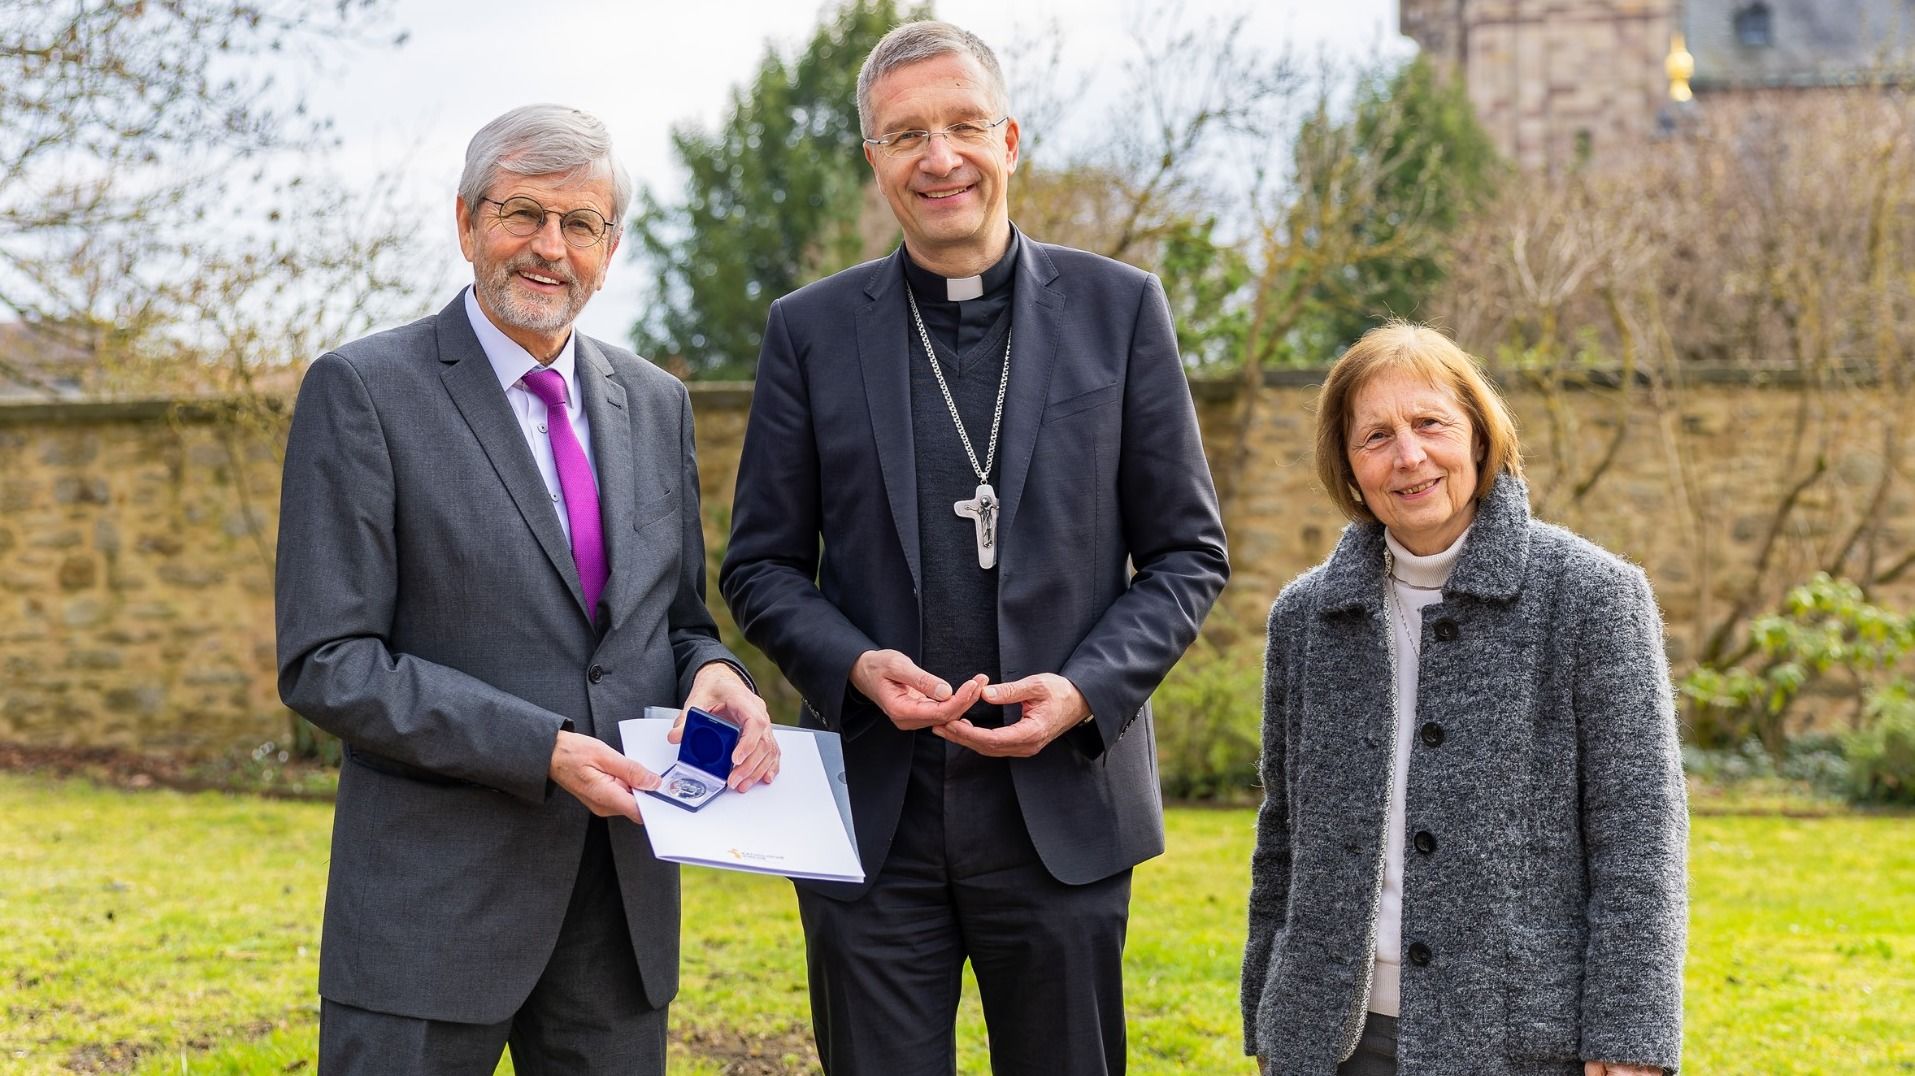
point(649, 65)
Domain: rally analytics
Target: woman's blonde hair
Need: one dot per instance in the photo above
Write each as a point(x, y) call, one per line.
point(1427, 353)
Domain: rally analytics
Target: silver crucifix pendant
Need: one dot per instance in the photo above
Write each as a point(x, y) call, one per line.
point(982, 511)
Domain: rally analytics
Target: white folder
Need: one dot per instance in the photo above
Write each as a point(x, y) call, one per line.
point(798, 826)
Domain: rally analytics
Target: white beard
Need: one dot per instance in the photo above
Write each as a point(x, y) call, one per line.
point(533, 313)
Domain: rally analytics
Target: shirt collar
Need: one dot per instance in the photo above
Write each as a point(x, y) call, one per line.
point(510, 362)
point(931, 286)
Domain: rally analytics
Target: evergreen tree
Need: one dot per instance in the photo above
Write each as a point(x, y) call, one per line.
point(1432, 164)
point(774, 200)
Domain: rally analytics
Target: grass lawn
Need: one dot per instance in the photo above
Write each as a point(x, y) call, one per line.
point(166, 933)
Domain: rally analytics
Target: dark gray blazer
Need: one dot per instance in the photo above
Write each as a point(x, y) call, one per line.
point(1100, 468)
point(430, 615)
point(1545, 768)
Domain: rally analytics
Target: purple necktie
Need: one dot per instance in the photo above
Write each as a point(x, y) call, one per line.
point(575, 478)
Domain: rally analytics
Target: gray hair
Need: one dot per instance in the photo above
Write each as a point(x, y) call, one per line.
point(539, 140)
point(915, 42)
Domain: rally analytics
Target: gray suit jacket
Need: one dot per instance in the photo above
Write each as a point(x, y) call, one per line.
point(1101, 471)
point(430, 615)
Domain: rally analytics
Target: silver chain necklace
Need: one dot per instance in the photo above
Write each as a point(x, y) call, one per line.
point(981, 509)
point(1396, 604)
point(1403, 618)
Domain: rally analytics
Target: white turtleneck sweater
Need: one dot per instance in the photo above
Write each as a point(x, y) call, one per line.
point(1415, 582)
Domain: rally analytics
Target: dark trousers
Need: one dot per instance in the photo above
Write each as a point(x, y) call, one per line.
point(962, 881)
point(587, 1014)
point(1376, 1051)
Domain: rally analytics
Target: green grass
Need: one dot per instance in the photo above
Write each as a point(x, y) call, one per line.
point(166, 933)
point(145, 923)
point(1801, 945)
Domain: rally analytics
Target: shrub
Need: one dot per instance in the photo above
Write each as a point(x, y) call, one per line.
point(1749, 761)
point(1209, 718)
point(1818, 760)
point(1813, 765)
point(1826, 626)
point(1881, 757)
point(304, 741)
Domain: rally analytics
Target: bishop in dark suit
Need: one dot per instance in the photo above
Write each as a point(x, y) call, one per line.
point(974, 527)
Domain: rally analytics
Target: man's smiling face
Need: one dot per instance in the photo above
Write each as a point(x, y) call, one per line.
point(950, 199)
point(533, 287)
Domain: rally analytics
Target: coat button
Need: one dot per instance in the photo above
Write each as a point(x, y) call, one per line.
point(1446, 630)
point(597, 674)
point(1432, 734)
point(1420, 954)
point(1425, 842)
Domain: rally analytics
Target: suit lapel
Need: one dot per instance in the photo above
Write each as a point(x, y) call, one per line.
point(474, 389)
point(615, 453)
point(1037, 313)
point(883, 356)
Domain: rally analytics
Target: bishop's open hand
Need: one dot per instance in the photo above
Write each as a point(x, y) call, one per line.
point(909, 696)
point(1052, 707)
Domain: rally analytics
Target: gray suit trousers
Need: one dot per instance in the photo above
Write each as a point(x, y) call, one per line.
point(588, 1013)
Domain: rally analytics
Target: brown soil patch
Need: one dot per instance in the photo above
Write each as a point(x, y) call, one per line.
point(788, 1053)
point(125, 1056)
point(136, 771)
point(107, 1057)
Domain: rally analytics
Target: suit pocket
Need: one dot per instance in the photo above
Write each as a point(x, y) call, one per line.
point(650, 512)
point(1544, 991)
point(1081, 402)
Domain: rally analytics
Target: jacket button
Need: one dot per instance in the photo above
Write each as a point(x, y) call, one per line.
point(1446, 630)
point(1432, 734)
point(1425, 842)
point(1420, 954)
point(597, 674)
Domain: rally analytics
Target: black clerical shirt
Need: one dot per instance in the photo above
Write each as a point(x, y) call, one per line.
point(959, 599)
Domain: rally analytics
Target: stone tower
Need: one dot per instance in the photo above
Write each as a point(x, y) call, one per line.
point(1554, 82)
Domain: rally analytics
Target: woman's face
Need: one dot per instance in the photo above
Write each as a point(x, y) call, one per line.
point(1413, 452)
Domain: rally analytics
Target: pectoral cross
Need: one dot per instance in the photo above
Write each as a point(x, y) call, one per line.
point(981, 510)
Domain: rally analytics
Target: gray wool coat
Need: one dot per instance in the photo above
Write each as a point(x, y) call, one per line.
point(1551, 911)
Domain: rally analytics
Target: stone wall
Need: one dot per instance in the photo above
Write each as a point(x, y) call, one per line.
point(136, 598)
point(135, 577)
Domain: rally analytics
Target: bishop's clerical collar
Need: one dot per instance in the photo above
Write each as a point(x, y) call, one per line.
point(929, 285)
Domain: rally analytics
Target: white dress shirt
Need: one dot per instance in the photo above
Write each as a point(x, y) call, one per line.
point(511, 363)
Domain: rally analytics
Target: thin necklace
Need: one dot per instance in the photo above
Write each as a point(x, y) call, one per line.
point(1395, 602)
point(997, 417)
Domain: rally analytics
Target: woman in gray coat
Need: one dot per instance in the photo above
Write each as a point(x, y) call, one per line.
point(1470, 856)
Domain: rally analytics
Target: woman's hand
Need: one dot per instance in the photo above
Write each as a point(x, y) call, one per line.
point(1612, 1068)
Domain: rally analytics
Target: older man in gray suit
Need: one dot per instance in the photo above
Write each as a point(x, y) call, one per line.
point(490, 553)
